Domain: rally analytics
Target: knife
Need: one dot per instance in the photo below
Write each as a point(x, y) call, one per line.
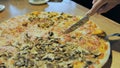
point(81, 22)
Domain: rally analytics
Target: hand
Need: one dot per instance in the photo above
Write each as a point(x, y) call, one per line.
point(102, 6)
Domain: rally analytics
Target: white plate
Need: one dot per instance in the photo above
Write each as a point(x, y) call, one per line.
point(2, 7)
point(38, 1)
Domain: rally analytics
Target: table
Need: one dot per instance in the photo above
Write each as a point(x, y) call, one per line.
point(21, 7)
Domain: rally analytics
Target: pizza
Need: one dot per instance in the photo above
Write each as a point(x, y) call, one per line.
point(36, 40)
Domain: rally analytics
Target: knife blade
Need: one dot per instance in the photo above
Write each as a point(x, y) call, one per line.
point(81, 22)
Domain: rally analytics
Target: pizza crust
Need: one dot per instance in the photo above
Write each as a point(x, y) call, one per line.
point(37, 40)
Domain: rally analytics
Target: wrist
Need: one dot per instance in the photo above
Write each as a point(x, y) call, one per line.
point(118, 1)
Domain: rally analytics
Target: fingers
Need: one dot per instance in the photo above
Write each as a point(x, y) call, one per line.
point(94, 1)
point(102, 6)
point(96, 6)
point(106, 8)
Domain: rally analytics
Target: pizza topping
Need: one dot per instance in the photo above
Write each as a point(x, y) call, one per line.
point(95, 56)
point(21, 62)
point(49, 65)
point(2, 65)
point(89, 62)
point(25, 24)
point(51, 33)
point(37, 40)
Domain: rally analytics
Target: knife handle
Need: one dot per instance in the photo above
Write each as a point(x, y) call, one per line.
point(87, 15)
point(85, 18)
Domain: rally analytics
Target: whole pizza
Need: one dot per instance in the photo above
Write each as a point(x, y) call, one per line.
point(36, 40)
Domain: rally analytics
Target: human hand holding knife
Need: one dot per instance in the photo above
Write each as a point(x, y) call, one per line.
point(99, 6)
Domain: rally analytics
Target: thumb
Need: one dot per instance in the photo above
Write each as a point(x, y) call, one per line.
point(96, 6)
point(94, 1)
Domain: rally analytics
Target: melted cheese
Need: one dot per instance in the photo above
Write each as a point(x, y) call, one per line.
point(78, 65)
point(72, 50)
